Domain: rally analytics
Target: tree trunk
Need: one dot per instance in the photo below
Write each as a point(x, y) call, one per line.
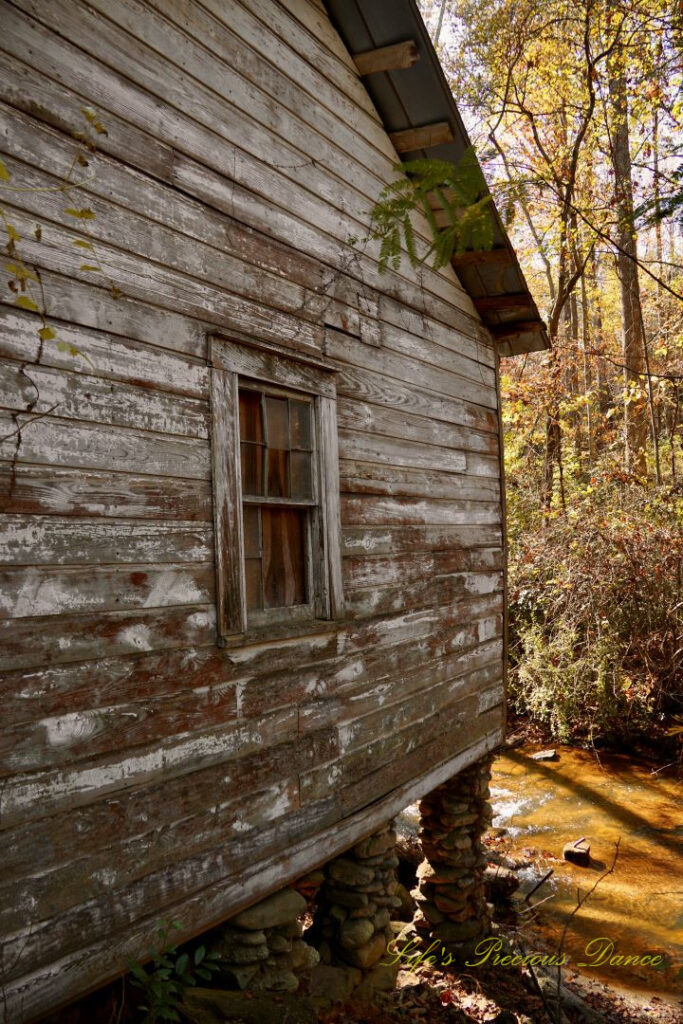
point(635, 420)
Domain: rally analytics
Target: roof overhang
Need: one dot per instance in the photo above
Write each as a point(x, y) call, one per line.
point(405, 80)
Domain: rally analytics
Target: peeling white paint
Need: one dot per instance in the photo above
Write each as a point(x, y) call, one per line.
point(106, 876)
point(172, 588)
point(241, 826)
point(64, 730)
point(137, 636)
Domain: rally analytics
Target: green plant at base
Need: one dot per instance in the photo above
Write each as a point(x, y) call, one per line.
point(164, 979)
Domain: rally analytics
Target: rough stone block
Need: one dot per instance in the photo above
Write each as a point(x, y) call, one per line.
point(279, 908)
point(333, 984)
point(348, 872)
point(367, 956)
point(356, 933)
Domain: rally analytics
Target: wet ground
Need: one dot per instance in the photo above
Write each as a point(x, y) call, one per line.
point(637, 910)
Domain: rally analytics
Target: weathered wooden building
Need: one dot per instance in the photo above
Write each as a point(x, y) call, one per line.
point(214, 677)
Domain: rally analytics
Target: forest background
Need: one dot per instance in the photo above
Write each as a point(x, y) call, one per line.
point(576, 113)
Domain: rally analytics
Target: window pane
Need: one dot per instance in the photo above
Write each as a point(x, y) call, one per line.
point(300, 468)
point(277, 422)
point(252, 567)
point(300, 424)
point(278, 484)
point(284, 563)
point(252, 539)
point(251, 427)
point(252, 468)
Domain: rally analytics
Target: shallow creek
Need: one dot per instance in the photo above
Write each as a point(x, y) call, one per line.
point(540, 806)
point(639, 907)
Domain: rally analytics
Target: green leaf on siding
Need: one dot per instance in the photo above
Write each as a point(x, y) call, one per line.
point(21, 272)
point(83, 214)
point(65, 346)
point(47, 333)
point(82, 244)
point(27, 303)
point(89, 266)
point(4, 173)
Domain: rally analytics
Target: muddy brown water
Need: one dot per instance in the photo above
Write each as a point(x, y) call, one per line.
point(637, 910)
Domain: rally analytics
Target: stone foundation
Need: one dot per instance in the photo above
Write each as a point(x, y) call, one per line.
point(450, 893)
point(351, 925)
point(262, 949)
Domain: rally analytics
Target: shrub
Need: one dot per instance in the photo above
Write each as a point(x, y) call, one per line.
point(596, 610)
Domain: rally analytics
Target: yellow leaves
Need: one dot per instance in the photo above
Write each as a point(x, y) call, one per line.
point(25, 302)
point(65, 346)
point(4, 173)
point(80, 214)
point(20, 272)
point(81, 243)
point(93, 119)
point(47, 333)
point(12, 232)
point(90, 267)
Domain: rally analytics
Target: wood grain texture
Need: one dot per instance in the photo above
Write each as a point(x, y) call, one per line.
point(147, 771)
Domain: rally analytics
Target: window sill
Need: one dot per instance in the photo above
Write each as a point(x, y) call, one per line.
point(281, 631)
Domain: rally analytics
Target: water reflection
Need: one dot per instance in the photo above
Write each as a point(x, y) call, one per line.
point(543, 805)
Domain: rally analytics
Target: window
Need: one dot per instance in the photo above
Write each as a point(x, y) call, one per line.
point(276, 489)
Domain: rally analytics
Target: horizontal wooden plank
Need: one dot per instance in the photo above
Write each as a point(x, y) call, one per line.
point(39, 145)
point(144, 279)
point(367, 510)
point(380, 570)
point(448, 709)
point(57, 105)
point(150, 808)
point(366, 385)
point(49, 490)
point(372, 687)
point(117, 909)
point(37, 590)
point(402, 424)
point(47, 692)
point(75, 972)
point(26, 540)
point(393, 540)
point(26, 643)
point(162, 243)
point(101, 354)
point(83, 878)
point(52, 441)
point(84, 735)
point(408, 370)
point(38, 795)
point(85, 397)
point(394, 598)
point(390, 451)
point(314, 54)
point(486, 731)
point(72, 67)
point(408, 482)
point(241, 75)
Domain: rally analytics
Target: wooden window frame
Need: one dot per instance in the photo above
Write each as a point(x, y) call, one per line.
point(239, 363)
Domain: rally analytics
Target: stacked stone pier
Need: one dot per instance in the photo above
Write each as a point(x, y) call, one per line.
point(262, 949)
point(450, 893)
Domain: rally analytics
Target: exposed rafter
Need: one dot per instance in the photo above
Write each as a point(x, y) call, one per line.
point(387, 58)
